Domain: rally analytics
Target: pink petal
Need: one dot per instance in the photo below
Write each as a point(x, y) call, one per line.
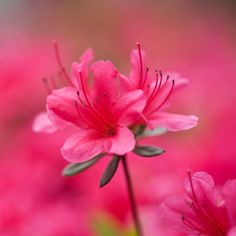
point(42, 123)
point(63, 103)
point(172, 122)
point(121, 143)
point(229, 191)
point(202, 182)
point(125, 83)
point(135, 67)
point(129, 107)
point(105, 83)
point(87, 56)
point(179, 81)
point(172, 211)
point(203, 191)
point(82, 66)
point(232, 231)
point(82, 146)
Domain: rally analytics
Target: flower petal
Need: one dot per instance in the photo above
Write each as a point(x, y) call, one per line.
point(42, 123)
point(203, 185)
point(179, 81)
point(121, 143)
point(82, 146)
point(202, 189)
point(232, 231)
point(173, 211)
point(229, 191)
point(82, 66)
point(63, 103)
point(172, 122)
point(105, 83)
point(129, 107)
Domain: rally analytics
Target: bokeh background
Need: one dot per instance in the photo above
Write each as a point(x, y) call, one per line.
point(195, 38)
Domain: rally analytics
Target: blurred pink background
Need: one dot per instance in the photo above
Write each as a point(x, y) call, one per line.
point(194, 38)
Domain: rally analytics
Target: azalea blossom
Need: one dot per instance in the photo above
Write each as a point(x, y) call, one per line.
point(104, 108)
point(100, 113)
point(157, 89)
point(205, 211)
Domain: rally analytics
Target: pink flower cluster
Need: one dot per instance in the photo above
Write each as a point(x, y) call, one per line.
point(205, 211)
point(104, 107)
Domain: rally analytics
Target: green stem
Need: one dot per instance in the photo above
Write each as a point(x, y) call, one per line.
point(131, 197)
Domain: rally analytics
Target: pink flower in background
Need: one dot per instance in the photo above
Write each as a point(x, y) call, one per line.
point(205, 210)
point(100, 113)
point(157, 92)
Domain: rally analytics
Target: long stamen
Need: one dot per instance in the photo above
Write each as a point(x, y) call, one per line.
point(141, 65)
point(145, 77)
point(62, 79)
point(192, 226)
point(192, 189)
point(46, 85)
point(53, 82)
point(167, 97)
point(59, 62)
point(212, 224)
point(89, 124)
point(155, 87)
point(81, 101)
point(89, 105)
point(83, 89)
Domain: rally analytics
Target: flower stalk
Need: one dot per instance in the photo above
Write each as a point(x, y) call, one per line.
point(134, 209)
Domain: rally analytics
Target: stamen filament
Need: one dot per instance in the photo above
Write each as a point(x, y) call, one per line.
point(141, 65)
point(59, 62)
point(154, 90)
point(53, 82)
point(46, 85)
point(145, 77)
point(89, 124)
point(192, 226)
point(89, 105)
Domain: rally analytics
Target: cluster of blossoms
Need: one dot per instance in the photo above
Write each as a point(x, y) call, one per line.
point(106, 109)
point(205, 211)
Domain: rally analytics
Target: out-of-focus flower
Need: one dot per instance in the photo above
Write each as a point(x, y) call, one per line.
point(33, 196)
point(101, 112)
point(205, 210)
point(157, 92)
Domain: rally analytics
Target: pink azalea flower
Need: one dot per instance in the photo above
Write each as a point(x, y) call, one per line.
point(157, 92)
point(100, 113)
point(205, 211)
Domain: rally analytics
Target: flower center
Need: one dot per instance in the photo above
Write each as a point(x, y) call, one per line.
point(94, 119)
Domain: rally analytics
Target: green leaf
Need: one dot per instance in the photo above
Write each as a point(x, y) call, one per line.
point(110, 171)
point(150, 133)
point(76, 168)
point(148, 151)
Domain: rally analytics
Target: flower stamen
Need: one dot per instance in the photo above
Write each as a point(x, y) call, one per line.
point(46, 85)
point(59, 62)
point(141, 65)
